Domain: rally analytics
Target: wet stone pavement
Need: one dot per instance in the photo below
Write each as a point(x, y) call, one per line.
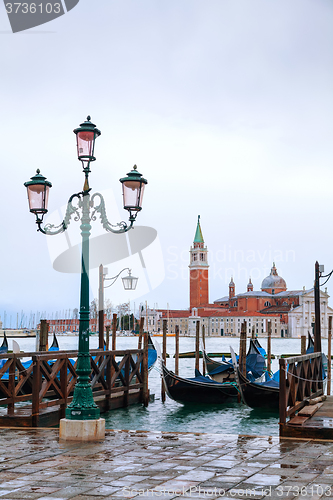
point(137, 464)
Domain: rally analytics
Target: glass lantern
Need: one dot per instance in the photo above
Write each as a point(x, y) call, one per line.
point(85, 141)
point(130, 282)
point(38, 193)
point(133, 188)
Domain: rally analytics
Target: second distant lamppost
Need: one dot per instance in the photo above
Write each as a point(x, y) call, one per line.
point(86, 209)
point(129, 283)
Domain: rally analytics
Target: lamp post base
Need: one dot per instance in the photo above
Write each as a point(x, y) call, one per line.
point(82, 430)
point(92, 413)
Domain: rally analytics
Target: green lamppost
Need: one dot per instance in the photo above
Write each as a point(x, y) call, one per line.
point(85, 207)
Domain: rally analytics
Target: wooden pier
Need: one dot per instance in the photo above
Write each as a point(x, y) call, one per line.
point(305, 412)
point(38, 395)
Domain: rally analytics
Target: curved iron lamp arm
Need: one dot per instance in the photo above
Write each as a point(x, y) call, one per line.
point(51, 229)
point(326, 276)
point(114, 278)
point(100, 209)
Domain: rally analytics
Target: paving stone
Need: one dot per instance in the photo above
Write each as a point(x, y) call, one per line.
point(43, 468)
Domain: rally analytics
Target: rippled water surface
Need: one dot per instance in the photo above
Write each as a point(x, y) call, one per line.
point(233, 418)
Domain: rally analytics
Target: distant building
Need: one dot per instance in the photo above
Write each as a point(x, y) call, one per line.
point(291, 313)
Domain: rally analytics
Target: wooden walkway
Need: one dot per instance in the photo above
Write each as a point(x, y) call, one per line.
point(38, 394)
point(317, 426)
point(303, 414)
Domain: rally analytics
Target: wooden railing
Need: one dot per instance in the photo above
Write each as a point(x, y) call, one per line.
point(300, 380)
point(51, 377)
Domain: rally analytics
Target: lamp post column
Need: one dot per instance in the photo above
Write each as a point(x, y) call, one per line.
point(83, 406)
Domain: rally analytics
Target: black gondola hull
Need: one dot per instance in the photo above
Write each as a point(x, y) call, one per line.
point(189, 391)
point(258, 396)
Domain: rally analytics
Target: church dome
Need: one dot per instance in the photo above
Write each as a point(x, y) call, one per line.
point(274, 282)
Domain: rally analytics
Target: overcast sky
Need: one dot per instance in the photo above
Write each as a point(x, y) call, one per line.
point(225, 106)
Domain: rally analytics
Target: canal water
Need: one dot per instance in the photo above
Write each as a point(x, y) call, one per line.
point(232, 418)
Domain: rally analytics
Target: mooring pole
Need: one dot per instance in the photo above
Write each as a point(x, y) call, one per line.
point(145, 397)
point(303, 345)
point(101, 308)
point(197, 333)
point(142, 320)
point(44, 335)
point(269, 347)
point(253, 333)
point(114, 331)
point(177, 350)
point(107, 328)
point(242, 349)
point(329, 361)
point(204, 346)
point(165, 324)
point(317, 340)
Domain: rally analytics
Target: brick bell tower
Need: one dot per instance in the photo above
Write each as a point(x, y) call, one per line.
point(198, 270)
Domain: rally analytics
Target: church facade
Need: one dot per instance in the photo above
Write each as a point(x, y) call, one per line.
point(290, 312)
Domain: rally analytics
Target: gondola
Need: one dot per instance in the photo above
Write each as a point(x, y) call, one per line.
point(4, 346)
point(152, 353)
point(310, 347)
point(54, 345)
point(220, 371)
point(198, 390)
point(257, 394)
point(224, 370)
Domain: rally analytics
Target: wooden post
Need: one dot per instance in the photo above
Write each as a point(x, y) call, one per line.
point(204, 346)
point(145, 392)
point(63, 385)
point(127, 374)
point(107, 328)
point(114, 331)
point(165, 322)
point(177, 350)
point(269, 347)
point(329, 360)
point(303, 345)
point(11, 384)
point(197, 340)
point(282, 395)
point(242, 349)
point(101, 309)
point(253, 332)
point(108, 375)
point(317, 339)
point(44, 335)
point(36, 375)
point(142, 320)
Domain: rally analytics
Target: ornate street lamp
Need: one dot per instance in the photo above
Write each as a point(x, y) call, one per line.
point(85, 208)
